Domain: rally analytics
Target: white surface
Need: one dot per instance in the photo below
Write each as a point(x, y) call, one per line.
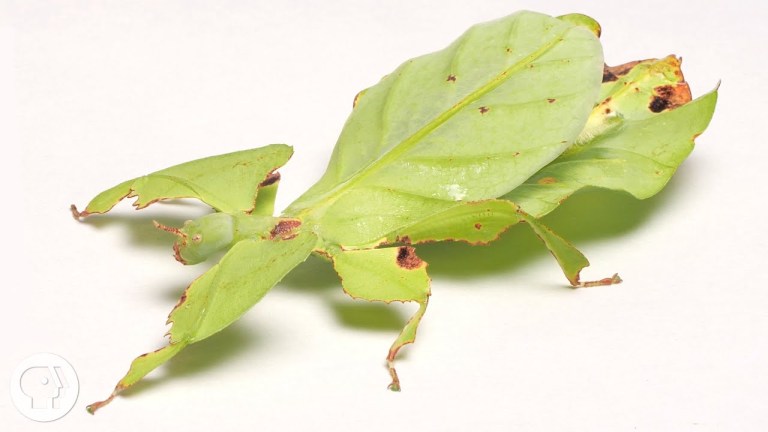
point(93, 93)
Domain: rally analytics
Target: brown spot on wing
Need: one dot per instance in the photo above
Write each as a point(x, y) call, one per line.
point(284, 229)
point(407, 259)
point(483, 109)
point(673, 96)
point(547, 180)
point(658, 104)
point(451, 78)
point(669, 97)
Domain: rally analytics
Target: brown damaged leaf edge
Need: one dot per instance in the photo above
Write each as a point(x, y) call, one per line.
point(271, 179)
point(356, 100)
point(176, 307)
point(131, 194)
point(670, 97)
point(78, 215)
point(613, 73)
point(180, 302)
point(407, 258)
point(404, 239)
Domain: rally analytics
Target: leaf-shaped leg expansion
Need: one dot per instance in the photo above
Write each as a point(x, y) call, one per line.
point(220, 296)
point(228, 183)
point(482, 222)
point(571, 260)
point(387, 275)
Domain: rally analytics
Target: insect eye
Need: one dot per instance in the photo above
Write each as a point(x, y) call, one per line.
point(197, 238)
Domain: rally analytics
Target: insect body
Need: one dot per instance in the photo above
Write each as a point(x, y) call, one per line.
point(494, 130)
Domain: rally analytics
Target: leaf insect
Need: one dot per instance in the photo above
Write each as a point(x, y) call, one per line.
point(494, 130)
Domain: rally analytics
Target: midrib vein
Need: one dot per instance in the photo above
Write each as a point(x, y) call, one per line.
point(406, 145)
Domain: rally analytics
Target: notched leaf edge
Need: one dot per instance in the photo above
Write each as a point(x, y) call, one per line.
point(126, 189)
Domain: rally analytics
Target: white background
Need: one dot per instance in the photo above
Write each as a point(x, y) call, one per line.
point(96, 92)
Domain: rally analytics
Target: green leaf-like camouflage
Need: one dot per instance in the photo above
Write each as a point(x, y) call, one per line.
point(457, 133)
point(458, 145)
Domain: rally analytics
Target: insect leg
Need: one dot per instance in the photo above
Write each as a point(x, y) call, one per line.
point(571, 260)
point(387, 275)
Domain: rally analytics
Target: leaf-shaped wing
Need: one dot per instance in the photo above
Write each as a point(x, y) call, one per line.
point(220, 296)
point(228, 183)
point(469, 122)
point(635, 138)
point(628, 144)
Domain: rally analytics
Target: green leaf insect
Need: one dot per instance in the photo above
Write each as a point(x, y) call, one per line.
point(458, 145)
